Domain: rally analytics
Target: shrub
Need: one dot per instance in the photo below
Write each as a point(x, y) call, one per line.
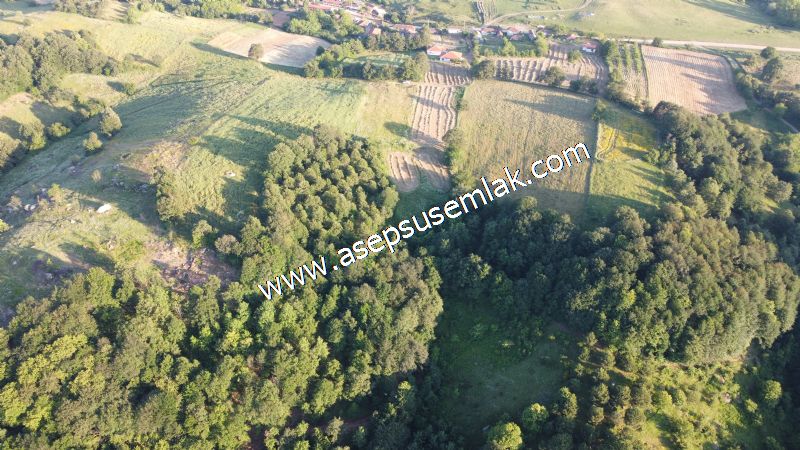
point(4, 226)
point(110, 122)
point(57, 130)
point(256, 51)
point(32, 135)
point(92, 143)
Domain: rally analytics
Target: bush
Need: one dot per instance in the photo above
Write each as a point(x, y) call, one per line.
point(483, 70)
point(4, 226)
point(57, 130)
point(32, 135)
point(92, 143)
point(769, 53)
point(658, 42)
point(256, 51)
point(554, 76)
point(110, 122)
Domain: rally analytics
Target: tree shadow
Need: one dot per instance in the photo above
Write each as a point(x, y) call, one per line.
point(398, 129)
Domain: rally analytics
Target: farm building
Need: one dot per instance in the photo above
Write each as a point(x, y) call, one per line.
point(590, 46)
point(436, 50)
point(378, 12)
point(451, 56)
point(452, 31)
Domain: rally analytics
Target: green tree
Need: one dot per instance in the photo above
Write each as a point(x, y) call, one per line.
point(110, 122)
point(505, 436)
point(772, 70)
point(4, 226)
point(574, 55)
point(534, 417)
point(554, 76)
point(32, 134)
point(768, 52)
point(772, 392)
point(92, 143)
point(57, 130)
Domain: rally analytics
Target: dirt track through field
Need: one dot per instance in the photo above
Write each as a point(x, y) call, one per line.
point(434, 115)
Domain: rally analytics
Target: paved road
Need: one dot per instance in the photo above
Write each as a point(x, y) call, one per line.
point(715, 45)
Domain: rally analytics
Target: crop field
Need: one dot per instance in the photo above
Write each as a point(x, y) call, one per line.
point(513, 125)
point(630, 65)
point(700, 82)
point(284, 49)
point(530, 70)
point(405, 173)
point(447, 74)
point(621, 174)
point(434, 114)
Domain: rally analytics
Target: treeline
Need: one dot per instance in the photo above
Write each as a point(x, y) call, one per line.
point(137, 365)
point(784, 103)
point(539, 49)
point(338, 61)
point(785, 12)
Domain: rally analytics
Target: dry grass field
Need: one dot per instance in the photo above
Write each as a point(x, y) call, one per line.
point(447, 74)
point(405, 173)
point(280, 48)
point(507, 124)
point(434, 114)
point(700, 82)
point(529, 70)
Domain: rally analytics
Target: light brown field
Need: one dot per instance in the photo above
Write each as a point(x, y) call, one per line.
point(700, 82)
point(430, 163)
point(434, 114)
point(447, 74)
point(405, 173)
point(284, 49)
point(529, 70)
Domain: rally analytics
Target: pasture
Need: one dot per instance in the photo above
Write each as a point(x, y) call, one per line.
point(280, 48)
point(621, 174)
point(726, 21)
point(700, 82)
point(208, 117)
point(511, 124)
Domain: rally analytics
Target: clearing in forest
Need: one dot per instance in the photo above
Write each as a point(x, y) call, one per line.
point(621, 174)
point(513, 125)
point(283, 49)
point(700, 82)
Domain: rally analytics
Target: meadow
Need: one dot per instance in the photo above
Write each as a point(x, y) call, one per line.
point(203, 115)
point(702, 20)
point(511, 124)
point(621, 174)
point(486, 374)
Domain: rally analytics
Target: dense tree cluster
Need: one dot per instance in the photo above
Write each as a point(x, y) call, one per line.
point(39, 62)
point(785, 103)
point(105, 361)
point(395, 41)
point(786, 12)
point(337, 61)
point(320, 24)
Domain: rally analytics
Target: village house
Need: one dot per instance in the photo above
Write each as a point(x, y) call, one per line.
point(451, 56)
point(452, 31)
point(405, 29)
point(590, 47)
point(436, 50)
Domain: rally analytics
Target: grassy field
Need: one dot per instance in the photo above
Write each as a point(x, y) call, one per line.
point(621, 174)
point(208, 117)
point(702, 20)
point(510, 124)
point(460, 10)
point(485, 373)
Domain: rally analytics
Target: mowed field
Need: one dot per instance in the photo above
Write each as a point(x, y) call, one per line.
point(507, 124)
point(700, 82)
point(281, 48)
point(621, 174)
point(205, 116)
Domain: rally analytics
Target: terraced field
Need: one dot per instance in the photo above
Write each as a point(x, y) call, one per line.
point(447, 74)
point(434, 114)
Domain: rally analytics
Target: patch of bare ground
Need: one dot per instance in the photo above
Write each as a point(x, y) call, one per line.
point(700, 82)
point(184, 268)
point(430, 163)
point(285, 49)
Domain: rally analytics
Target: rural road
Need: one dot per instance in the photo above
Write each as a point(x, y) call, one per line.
point(715, 45)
